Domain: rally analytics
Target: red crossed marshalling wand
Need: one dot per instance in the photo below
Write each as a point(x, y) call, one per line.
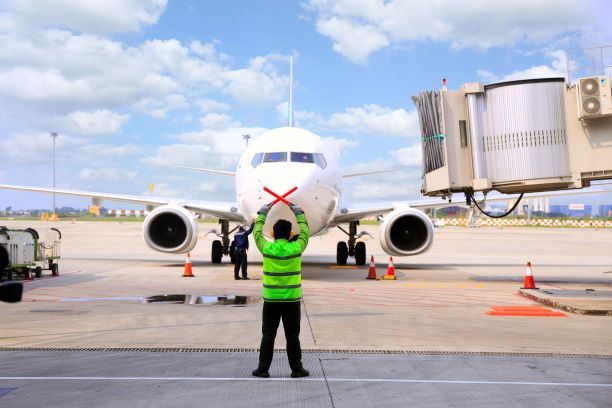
point(278, 197)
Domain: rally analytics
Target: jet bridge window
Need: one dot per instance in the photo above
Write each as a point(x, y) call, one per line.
point(320, 160)
point(297, 157)
point(275, 157)
point(257, 159)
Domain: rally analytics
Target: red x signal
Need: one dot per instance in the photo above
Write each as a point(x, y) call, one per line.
point(278, 197)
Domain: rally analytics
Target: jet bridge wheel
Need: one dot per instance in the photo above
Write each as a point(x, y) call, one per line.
point(360, 253)
point(341, 253)
point(216, 252)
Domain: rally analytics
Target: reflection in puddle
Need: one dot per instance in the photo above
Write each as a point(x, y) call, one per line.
point(229, 300)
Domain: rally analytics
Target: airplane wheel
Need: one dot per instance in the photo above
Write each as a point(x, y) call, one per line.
point(38, 272)
point(341, 253)
point(217, 252)
point(360, 253)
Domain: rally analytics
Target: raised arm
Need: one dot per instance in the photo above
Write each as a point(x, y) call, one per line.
point(260, 240)
point(302, 240)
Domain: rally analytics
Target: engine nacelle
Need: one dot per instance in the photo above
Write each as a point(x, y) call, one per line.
point(170, 229)
point(406, 231)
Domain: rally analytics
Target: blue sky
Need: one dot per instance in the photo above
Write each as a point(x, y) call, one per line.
point(136, 87)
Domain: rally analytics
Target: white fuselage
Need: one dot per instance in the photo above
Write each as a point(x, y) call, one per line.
point(313, 168)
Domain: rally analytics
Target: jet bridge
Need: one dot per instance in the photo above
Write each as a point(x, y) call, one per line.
point(516, 137)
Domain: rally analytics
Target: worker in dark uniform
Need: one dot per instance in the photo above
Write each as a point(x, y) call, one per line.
point(282, 289)
point(241, 246)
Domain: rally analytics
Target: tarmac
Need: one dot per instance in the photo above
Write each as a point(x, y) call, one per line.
point(367, 343)
point(170, 379)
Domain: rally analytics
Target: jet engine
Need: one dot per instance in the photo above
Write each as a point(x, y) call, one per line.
point(171, 229)
point(406, 231)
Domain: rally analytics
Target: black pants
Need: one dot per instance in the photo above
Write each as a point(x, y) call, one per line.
point(272, 313)
point(240, 261)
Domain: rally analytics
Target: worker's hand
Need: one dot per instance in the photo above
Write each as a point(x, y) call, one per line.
point(297, 210)
point(265, 208)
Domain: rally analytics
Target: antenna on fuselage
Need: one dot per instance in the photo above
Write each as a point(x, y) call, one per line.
point(291, 91)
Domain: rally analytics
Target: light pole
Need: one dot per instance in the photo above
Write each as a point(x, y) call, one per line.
point(246, 139)
point(53, 136)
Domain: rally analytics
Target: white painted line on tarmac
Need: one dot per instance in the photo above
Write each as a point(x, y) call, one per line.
point(361, 380)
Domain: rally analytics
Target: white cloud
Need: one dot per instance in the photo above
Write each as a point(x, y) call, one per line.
point(36, 147)
point(99, 122)
point(387, 186)
point(97, 150)
point(106, 174)
point(557, 68)
point(222, 141)
point(217, 121)
point(53, 72)
point(408, 156)
point(92, 16)
point(375, 120)
point(258, 82)
point(340, 144)
point(372, 119)
point(209, 105)
point(359, 28)
point(353, 40)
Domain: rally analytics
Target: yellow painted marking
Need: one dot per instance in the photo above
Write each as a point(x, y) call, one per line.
point(342, 267)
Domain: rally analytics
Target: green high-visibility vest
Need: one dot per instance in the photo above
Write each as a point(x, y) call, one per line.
point(282, 263)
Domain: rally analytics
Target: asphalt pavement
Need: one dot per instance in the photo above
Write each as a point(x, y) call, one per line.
point(222, 379)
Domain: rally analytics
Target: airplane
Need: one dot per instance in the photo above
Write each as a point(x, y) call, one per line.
point(283, 164)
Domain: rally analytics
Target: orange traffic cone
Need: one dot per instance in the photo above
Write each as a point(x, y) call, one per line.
point(188, 272)
point(390, 270)
point(372, 270)
point(529, 281)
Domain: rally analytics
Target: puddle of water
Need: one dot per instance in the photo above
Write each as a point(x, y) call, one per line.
point(167, 299)
point(229, 300)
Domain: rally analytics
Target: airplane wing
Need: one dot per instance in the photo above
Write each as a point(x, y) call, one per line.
point(222, 172)
point(352, 212)
point(224, 210)
point(369, 173)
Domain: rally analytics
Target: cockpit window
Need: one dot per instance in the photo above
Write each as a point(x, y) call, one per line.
point(275, 157)
point(257, 159)
point(320, 160)
point(302, 157)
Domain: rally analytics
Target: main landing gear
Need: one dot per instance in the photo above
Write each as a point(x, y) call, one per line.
point(351, 247)
point(223, 246)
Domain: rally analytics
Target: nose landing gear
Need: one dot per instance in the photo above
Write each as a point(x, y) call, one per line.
point(222, 247)
point(351, 247)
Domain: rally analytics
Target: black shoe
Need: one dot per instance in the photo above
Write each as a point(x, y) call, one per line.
point(300, 372)
point(246, 278)
point(236, 278)
point(260, 372)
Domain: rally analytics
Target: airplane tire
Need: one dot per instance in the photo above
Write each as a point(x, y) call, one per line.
point(216, 252)
point(360, 253)
point(341, 253)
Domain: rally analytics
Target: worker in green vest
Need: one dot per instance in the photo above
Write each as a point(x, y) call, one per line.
point(282, 289)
